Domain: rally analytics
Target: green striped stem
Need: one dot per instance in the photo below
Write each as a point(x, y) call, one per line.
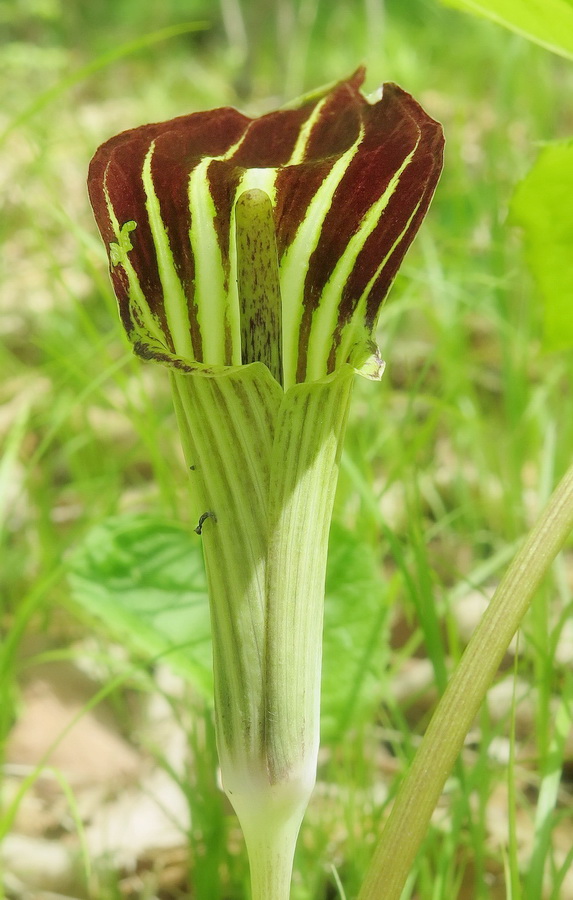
point(265, 465)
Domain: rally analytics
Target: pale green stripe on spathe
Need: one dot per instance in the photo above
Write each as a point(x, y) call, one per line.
point(217, 307)
point(326, 315)
point(175, 302)
point(148, 325)
point(298, 154)
point(295, 262)
point(228, 154)
point(354, 334)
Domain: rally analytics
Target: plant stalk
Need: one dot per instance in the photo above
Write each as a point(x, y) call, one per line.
point(420, 791)
point(264, 465)
point(270, 819)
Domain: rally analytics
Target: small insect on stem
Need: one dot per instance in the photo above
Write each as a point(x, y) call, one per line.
point(206, 515)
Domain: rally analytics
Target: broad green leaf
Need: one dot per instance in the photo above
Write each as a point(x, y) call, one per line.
point(541, 207)
point(355, 655)
point(546, 22)
point(143, 580)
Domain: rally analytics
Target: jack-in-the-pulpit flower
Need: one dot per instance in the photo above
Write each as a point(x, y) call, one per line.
point(251, 257)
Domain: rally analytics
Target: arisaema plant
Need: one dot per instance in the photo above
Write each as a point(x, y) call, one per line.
point(251, 257)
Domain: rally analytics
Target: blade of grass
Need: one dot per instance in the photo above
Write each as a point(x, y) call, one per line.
point(512, 859)
point(22, 616)
point(8, 460)
point(421, 789)
point(9, 814)
point(544, 817)
point(95, 65)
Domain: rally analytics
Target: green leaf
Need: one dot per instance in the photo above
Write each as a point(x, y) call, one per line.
point(355, 634)
point(540, 205)
point(546, 22)
point(143, 580)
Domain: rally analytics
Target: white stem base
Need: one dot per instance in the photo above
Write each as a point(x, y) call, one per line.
point(270, 816)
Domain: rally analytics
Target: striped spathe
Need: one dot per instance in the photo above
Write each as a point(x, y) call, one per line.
point(349, 181)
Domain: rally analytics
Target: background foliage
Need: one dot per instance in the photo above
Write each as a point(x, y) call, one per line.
point(447, 462)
